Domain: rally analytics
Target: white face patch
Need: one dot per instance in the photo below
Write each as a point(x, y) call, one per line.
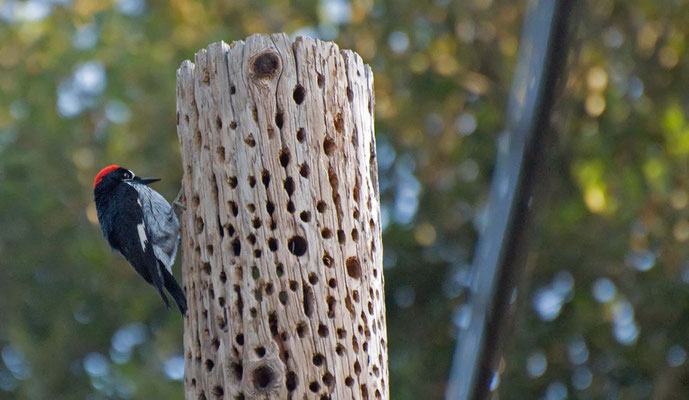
point(142, 235)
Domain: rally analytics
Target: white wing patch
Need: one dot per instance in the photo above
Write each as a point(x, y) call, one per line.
point(142, 235)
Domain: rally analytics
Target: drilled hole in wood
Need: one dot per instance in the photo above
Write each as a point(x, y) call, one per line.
point(233, 125)
point(304, 170)
point(279, 119)
point(270, 207)
point(236, 247)
point(265, 65)
point(301, 329)
point(239, 339)
point(293, 286)
point(279, 269)
point(232, 181)
point(260, 351)
point(233, 89)
point(314, 387)
point(282, 296)
point(233, 208)
point(321, 206)
point(322, 330)
point(355, 295)
point(230, 230)
point(284, 157)
point(350, 94)
point(339, 349)
point(318, 359)
point(355, 214)
point(195, 201)
point(262, 377)
point(326, 233)
point(328, 146)
point(330, 301)
point(252, 181)
point(353, 267)
point(328, 379)
point(320, 80)
point(327, 259)
point(365, 347)
point(251, 238)
point(301, 135)
point(289, 185)
point(340, 236)
point(291, 207)
point(308, 300)
point(297, 245)
point(256, 222)
point(255, 272)
point(251, 207)
point(357, 367)
point(298, 94)
point(364, 391)
point(258, 253)
point(221, 301)
point(253, 312)
point(250, 140)
point(273, 323)
point(332, 283)
point(339, 123)
point(202, 395)
point(199, 225)
point(237, 370)
point(223, 277)
point(341, 333)
point(305, 216)
point(269, 288)
point(198, 140)
point(206, 268)
point(349, 381)
point(218, 122)
point(313, 278)
point(210, 249)
point(209, 365)
point(265, 178)
point(239, 303)
point(218, 392)
point(272, 244)
point(273, 225)
point(291, 381)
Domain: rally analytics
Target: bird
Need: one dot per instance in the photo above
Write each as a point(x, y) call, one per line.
point(141, 225)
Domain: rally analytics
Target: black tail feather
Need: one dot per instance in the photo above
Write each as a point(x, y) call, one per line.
point(175, 291)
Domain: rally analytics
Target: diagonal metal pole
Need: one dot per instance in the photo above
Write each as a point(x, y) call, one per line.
point(497, 263)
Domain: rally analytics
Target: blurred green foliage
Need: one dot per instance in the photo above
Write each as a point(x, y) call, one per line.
point(86, 83)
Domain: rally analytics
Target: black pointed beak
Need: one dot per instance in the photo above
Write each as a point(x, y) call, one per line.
point(147, 181)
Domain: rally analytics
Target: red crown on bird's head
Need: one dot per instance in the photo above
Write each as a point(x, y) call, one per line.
point(103, 172)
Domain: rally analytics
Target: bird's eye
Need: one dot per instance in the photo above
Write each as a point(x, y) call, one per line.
point(126, 175)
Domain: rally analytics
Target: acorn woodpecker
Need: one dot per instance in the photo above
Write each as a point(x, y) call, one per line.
point(139, 223)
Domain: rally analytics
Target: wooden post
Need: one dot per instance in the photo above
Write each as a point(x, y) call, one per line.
point(282, 252)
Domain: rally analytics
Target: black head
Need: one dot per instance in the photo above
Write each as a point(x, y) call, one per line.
point(114, 174)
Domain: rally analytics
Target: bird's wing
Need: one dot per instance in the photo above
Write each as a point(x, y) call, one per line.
point(130, 228)
point(162, 226)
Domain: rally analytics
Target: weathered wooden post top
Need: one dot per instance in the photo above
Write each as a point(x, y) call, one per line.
point(282, 252)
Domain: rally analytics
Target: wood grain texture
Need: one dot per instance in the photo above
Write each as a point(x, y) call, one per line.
point(282, 251)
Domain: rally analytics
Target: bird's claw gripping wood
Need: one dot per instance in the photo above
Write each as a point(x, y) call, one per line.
point(177, 205)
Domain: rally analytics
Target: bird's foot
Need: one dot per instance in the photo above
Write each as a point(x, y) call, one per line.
point(177, 206)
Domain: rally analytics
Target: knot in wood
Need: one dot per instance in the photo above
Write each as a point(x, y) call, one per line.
point(265, 65)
